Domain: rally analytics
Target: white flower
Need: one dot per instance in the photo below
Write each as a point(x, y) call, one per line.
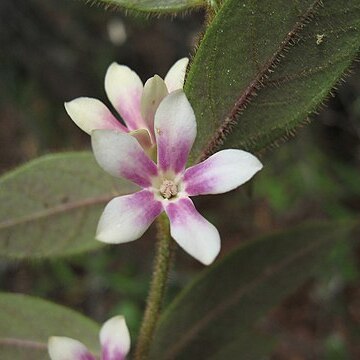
point(114, 340)
point(135, 103)
point(167, 186)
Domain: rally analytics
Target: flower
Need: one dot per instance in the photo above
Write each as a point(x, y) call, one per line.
point(114, 340)
point(167, 186)
point(136, 103)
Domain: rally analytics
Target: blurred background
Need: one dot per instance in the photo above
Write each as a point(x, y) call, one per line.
point(53, 51)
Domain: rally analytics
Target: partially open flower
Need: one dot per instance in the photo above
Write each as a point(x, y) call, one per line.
point(167, 186)
point(136, 103)
point(114, 340)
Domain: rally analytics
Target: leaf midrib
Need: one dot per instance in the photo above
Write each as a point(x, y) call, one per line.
point(70, 206)
point(233, 300)
point(170, 8)
point(23, 343)
point(231, 119)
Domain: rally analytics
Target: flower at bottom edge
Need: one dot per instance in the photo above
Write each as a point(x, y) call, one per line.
point(114, 339)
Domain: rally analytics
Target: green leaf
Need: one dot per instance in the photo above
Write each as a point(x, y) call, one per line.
point(26, 323)
point(211, 318)
point(156, 6)
point(252, 344)
point(291, 54)
point(51, 206)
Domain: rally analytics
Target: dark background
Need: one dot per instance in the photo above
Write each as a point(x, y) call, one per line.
point(52, 51)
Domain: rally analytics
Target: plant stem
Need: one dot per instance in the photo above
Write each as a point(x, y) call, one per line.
point(157, 288)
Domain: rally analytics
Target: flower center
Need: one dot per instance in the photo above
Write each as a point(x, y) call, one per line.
point(168, 189)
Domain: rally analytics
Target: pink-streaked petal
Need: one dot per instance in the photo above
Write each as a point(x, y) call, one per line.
point(174, 79)
point(64, 348)
point(221, 172)
point(115, 339)
point(90, 114)
point(175, 131)
point(193, 232)
point(126, 218)
point(154, 92)
point(121, 155)
point(124, 89)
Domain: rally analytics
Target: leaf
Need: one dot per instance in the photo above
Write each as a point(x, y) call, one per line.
point(253, 345)
point(51, 206)
point(290, 53)
point(26, 323)
point(212, 317)
point(156, 6)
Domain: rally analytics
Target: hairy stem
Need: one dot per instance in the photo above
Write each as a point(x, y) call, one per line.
point(157, 288)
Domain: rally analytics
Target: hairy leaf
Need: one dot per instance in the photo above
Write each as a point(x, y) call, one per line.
point(26, 323)
point(291, 54)
point(156, 6)
point(211, 318)
point(51, 206)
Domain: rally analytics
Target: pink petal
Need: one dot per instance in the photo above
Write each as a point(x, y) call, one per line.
point(154, 92)
point(124, 89)
point(192, 231)
point(114, 339)
point(90, 114)
point(175, 131)
point(126, 218)
point(121, 155)
point(64, 348)
point(174, 79)
point(221, 172)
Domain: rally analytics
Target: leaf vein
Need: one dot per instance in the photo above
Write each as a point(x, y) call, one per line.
point(56, 210)
point(232, 301)
point(230, 121)
point(22, 343)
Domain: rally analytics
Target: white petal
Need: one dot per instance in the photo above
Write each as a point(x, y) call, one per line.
point(124, 89)
point(90, 114)
point(115, 339)
point(126, 218)
point(154, 92)
point(121, 155)
point(175, 131)
point(193, 232)
point(64, 348)
point(221, 172)
point(174, 79)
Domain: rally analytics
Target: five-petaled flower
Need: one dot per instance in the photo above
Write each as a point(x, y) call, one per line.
point(114, 340)
point(136, 103)
point(167, 185)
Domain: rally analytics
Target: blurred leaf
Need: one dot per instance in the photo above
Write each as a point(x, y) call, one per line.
point(132, 314)
point(253, 345)
point(290, 54)
point(51, 206)
point(156, 6)
point(336, 348)
point(223, 304)
point(291, 179)
point(344, 261)
point(26, 323)
point(129, 285)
